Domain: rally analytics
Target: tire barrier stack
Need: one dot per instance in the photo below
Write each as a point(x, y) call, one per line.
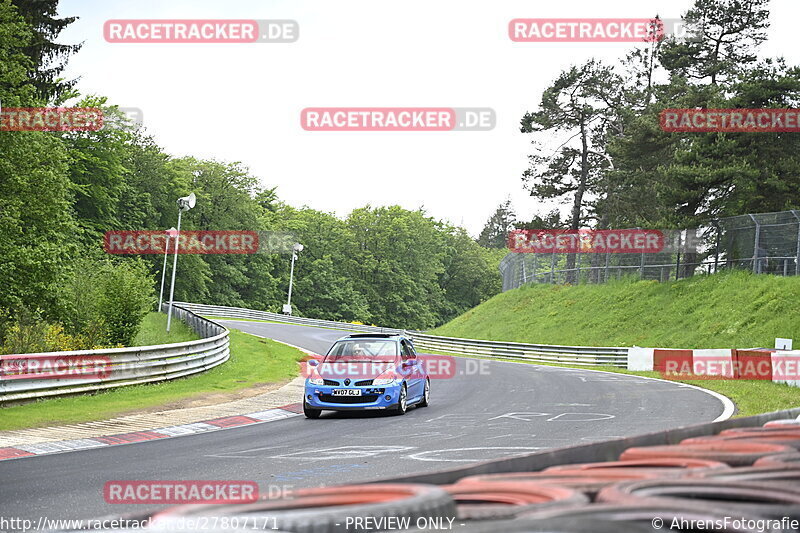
point(730, 476)
point(44, 375)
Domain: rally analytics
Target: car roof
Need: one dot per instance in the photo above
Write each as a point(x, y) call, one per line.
point(393, 336)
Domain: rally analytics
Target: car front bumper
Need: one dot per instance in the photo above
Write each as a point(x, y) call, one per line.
point(371, 397)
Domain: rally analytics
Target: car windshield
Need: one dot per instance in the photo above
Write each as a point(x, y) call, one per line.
point(381, 350)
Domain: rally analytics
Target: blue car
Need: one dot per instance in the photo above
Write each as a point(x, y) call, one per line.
point(367, 371)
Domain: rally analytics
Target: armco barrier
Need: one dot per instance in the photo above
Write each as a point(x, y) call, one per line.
point(544, 353)
point(240, 312)
point(541, 353)
point(123, 366)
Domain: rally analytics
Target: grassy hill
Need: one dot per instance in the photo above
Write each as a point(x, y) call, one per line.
point(729, 310)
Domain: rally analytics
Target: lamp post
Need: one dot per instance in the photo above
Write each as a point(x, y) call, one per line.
point(171, 232)
point(297, 248)
point(184, 204)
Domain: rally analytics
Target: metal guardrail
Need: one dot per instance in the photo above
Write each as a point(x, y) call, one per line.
point(40, 375)
point(542, 353)
point(240, 312)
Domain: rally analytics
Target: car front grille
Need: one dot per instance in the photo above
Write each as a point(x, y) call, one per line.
point(363, 383)
point(331, 382)
point(364, 398)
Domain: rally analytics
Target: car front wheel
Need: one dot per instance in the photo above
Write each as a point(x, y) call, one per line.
point(311, 413)
point(402, 401)
point(426, 395)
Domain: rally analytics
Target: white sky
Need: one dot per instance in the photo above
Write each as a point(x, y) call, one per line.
point(242, 102)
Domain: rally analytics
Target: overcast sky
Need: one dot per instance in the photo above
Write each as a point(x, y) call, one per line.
point(242, 102)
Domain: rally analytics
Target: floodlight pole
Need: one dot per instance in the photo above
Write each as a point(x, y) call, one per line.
point(170, 232)
point(287, 309)
point(184, 204)
point(174, 269)
point(163, 275)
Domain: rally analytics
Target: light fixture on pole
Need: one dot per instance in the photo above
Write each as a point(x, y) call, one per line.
point(184, 204)
point(171, 232)
point(287, 307)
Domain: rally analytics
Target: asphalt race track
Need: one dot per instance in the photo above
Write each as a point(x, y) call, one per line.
point(487, 410)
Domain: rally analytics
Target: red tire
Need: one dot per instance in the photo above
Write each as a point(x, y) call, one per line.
point(588, 481)
point(732, 453)
point(497, 499)
point(663, 466)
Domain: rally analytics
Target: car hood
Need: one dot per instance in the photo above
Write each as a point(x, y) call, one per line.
point(355, 369)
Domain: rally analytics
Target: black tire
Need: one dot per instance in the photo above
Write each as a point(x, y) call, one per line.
point(327, 509)
point(560, 525)
point(311, 413)
point(402, 401)
point(426, 395)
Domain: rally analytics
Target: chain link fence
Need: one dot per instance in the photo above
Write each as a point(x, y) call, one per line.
point(765, 243)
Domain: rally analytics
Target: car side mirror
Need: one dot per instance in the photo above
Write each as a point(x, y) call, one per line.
point(313, 362)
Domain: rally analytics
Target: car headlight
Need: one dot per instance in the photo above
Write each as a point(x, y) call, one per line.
point(385, 379)
point(315, 381)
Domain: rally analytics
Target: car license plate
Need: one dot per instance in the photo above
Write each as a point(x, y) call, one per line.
point(347, 392)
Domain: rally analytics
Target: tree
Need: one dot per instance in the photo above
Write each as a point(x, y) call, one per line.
point(723, 38)
point(48, 58)
point(579, 105)
point(495, 232)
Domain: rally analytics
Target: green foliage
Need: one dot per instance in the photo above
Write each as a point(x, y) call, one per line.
point(106, 301)
point(47, 57)
point(33, 334)
point(125, 294)
point(729, 310)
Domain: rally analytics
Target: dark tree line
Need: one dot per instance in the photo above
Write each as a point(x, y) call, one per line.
point(60, 191)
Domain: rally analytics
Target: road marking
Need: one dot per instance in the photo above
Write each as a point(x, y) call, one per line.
point(518, 416)
point(511, 450)
point(581, 417)
point(344, 452)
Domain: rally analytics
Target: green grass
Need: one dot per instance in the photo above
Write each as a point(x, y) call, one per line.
point(154, 331)
point(731, 310)
point(253, 361)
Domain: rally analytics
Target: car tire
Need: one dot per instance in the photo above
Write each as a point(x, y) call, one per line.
point(311, 413)
point(402, 401)
point(426, 395)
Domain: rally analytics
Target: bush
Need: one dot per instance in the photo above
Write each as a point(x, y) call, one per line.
point(106, 301)
point(32, 334)
point(125, 297)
